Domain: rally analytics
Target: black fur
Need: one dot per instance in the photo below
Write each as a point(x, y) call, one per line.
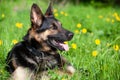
point(34, 48)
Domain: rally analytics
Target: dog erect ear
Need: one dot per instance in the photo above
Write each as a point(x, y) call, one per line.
point(49, 11)
point(36, 15)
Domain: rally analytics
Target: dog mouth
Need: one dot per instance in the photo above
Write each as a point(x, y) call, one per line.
point(59, 45)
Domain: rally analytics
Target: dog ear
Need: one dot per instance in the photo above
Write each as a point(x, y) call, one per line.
point(36, 15)
point(49, 11)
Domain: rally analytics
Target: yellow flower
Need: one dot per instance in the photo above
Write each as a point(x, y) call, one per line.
point(66, 42)
point(112, 21)
point(94, 53)
point(55, 10)
point(117, 18)
point(56, 14)
point(1, 42)
point(19, 25)
point(84, 30)
point(62, 12)
point(115, 14)
point(79, 25)
point(66, 14)
point(88, 16)
point(100, 16)
point(97, 42)
point(74, 46)
point(64, 79)
point(76, 31)
point(14, 41)
point(108, 19)
point(116, 47)
point(3, 15)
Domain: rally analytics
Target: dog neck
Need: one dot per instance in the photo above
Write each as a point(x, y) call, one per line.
point(40, 47)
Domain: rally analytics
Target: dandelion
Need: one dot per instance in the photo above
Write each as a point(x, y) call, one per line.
point(117, 18)
point(84, 30)
point(116, 47)
point(1, 42)
point(14, 41)
point(66, 14)
point(62, 12)
point(56, 14)
point(115, 14)
point(94, 53)
point(100, 16)
point(108, 19)
point(112, 21)
point(97, 42)
point(74, 46)
point(76, 31)
point(3, 15)
point(79, 25)
point(55, 10)
point(19, 25)
point(64, 79)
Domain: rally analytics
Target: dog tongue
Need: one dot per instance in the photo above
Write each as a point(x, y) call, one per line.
point(65, 46)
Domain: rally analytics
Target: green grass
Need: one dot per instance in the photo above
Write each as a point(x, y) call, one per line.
point(105, 66)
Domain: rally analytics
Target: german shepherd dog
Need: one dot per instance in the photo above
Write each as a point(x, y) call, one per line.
point(31, 58)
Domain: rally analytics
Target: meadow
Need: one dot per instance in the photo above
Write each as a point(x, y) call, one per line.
point(94, 50)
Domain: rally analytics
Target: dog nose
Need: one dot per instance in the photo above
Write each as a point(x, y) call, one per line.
point(70, 36)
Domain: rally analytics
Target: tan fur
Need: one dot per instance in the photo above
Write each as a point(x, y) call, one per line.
point(37, 19)
point(25, 74)
point(14, 63)
point(70, 70)
point(41, 37)
point(22, 74)
point(45, 47)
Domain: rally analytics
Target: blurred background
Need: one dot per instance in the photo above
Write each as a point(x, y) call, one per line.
point(105, 2)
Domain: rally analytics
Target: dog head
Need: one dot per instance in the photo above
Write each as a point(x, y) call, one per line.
point(46, 28)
